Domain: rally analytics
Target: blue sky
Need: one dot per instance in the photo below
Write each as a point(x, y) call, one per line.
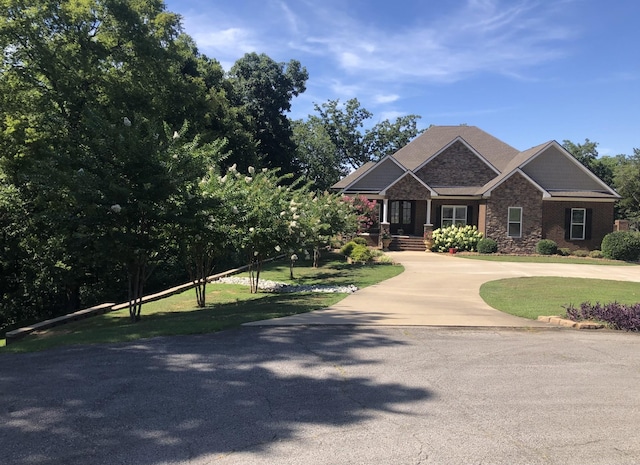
point(526, 71)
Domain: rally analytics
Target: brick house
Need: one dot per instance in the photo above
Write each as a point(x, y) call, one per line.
point(462, 175)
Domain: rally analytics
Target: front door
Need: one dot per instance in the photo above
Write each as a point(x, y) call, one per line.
point(402, 216)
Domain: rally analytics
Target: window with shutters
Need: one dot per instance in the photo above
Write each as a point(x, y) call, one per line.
point(578, 223)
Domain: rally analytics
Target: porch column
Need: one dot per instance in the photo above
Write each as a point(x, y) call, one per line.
point(428, 223)
point(385, 209)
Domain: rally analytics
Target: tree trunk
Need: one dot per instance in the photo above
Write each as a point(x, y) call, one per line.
point(255, 264)
point(199, 267)
point(138, 276)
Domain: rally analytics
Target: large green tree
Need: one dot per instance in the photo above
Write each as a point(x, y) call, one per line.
point(627, 183)
point(587, 154)
point(86, 87)
point(335, 141)
point(263, 89)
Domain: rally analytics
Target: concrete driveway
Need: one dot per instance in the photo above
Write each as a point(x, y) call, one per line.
point(442, 290)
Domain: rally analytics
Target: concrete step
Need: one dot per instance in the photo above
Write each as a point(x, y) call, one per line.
point(400, 243)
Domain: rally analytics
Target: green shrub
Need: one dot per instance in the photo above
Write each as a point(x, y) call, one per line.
point(546, 247)
point(360, 240)
point(621, 245)
point(384, 260)
point(361, 253)
point(596, 254)
point(564, 251)
point(348, 248)
point(464, 238)
point(580, 253)
point(486, 245)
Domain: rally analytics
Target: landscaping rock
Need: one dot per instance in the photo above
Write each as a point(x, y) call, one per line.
point(274, 286)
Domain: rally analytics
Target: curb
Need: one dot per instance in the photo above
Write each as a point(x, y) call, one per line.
point(558, 321)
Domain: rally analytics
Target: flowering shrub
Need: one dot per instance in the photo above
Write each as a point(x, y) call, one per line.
point(365, 209)
point(463, 238)
point(619, 316)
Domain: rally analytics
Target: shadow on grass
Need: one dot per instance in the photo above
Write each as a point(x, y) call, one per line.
point(117, 327)
point(179, 399)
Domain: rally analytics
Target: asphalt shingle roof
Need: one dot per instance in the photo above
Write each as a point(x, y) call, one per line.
point(434, 139)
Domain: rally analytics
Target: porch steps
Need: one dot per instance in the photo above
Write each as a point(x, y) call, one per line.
point(400, 243)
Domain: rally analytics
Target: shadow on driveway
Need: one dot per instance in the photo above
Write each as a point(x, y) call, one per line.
point(188, 399)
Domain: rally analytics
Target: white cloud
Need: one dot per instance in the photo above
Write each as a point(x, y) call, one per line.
point(224, 42)
point(483, 36)
point(388, 98)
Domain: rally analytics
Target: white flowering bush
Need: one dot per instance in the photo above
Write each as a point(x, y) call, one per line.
point(463, 238)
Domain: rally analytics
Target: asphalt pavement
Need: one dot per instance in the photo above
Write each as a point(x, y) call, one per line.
point(328, 395)
point(415, 370)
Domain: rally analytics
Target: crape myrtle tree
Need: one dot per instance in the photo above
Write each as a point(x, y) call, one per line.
point(85, 88)
point(323, 217)
point(258, 214)
point(198, 231)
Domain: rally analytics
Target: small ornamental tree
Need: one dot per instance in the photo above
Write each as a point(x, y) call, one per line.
point(322, 217)
point(197, 233)
point(259, 214)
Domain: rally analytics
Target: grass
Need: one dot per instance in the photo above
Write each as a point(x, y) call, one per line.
point(531, 297)
point(545, 259)
point(228, 306)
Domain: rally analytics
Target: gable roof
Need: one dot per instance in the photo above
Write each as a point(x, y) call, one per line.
point(351, 177)
point(548, 166)
point(434, 139)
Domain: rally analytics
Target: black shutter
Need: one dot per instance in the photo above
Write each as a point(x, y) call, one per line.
point(470, 214)
point(587, 223)
point(567, 224)
point(438, 222)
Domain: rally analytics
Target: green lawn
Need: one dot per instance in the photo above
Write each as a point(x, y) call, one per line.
point(228, 306)
point(531, 297)
point(544, 259)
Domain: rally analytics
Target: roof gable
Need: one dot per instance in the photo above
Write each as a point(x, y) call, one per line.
point(436, 138)
point(351, 177)
point(555, 169)
point(410, 180)
point(457, 164)
point(377, 177)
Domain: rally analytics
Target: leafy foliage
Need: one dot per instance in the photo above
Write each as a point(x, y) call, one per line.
point(463, 238)
point(322, 217)
point(627, 183)
point(487, 245)
point(546, 247)
point(334, 141)
point(264, 89)
point(366, 211)
point(621, 245)
point(361, 253)
point(618, 316)
point(347, 248)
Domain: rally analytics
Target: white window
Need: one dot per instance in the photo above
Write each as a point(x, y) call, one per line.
point(578, 223)
point(514, 222)
point(454, 214)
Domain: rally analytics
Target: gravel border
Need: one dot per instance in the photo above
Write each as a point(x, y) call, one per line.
point(274, 286)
